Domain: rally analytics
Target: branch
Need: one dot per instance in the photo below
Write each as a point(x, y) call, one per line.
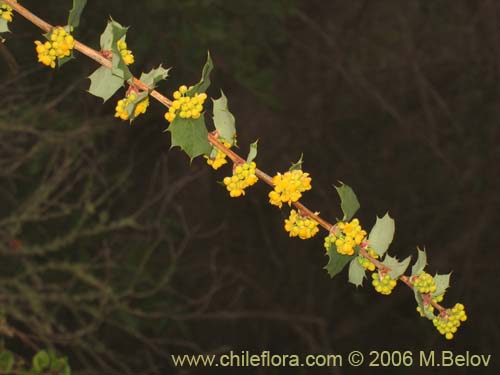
point(212, 138)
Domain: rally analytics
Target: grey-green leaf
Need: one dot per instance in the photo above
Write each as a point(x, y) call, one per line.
point(336, 261)
point(224, 120)
point(76, 12)
point(252, 154)
point(382, 234)
point(4, 26)
point(348, 201)
point(204, 83)
point(104, 84)
point(356, 273)
point(420, 264)
point(119, 68)
point(442, 283)
point(190, 135)
point(298, 164)
point(397, 268)
point(154, 76)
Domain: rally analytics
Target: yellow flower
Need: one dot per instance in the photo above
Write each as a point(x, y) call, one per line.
point(59, 46)
point(243, 177)
point(220, 158)
point(288, 187)
point(185, 106)
point(448, 322)
point(383, 283)
point(121, 111)
point(301, 226)
point(127, 55)
point(346, 236)
point(6, 12)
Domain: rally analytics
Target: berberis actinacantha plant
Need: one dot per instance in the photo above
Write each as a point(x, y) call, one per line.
point(346, 242)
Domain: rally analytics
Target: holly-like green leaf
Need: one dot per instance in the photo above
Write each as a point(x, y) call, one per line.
point(204, 83)
point(104, 84)
point(397, 268)
point(6, 362)
point(76, 12)
point(190, 135)
point(252, 154)
point(111, 35)
point(4, 26)
point(356, 273)
point(133, 104)
point(382, 234)
point(348, 201)
point(297, 166)
point(224, 120)
point(442, 283)
point(420, 302)
point(41, 361)
point(420, 264)
point(154, 76)
point(107, 37)
point(336, 261)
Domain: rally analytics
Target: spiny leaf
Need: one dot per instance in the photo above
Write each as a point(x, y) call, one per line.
point(106, 40)
point(397, 268)
point(420, 264)
point(104, 84)
point(382, 234)
point(356, 273)
point(442, 283)
point(298, 164)
point(252, 154)
point(348, 201)
point(204, 83)
point(76, 12)
point(224, 120)
point(112, 34)
point(336, 261)
point(190, 135)
point(154, 76)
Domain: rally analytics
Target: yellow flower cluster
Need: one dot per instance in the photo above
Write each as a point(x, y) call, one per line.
point(449, 324)
point(127, 55)
point(383, 284)
point(365, 263)
point(6, 12)
point(121, 106)
point(346, 237)
point(60, 46)
point(424, 283)
point(185, 106)
point(288, 187)
point(243, 177)
point(220, 158)
point(301, 226)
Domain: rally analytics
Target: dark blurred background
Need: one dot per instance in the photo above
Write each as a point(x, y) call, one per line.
point(118, 252)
